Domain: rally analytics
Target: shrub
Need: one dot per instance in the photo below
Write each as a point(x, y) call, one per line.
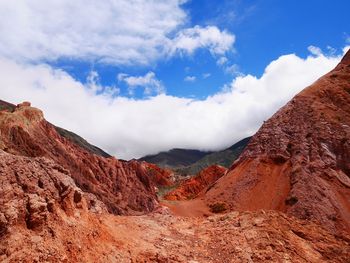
point(218, 207)
point(291, 201)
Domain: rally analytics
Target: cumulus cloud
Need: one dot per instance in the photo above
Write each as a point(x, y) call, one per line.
point(119, 32)
point(150, 84)
point(130, 128)
point(190, 78)
point(218, 42)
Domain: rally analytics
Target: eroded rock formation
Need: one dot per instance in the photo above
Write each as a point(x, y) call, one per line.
point(125, 187)
point(191, 187)
point(299, 161)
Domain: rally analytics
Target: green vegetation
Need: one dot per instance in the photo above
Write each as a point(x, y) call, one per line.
point(175, 158)
point(224, 158)
point(163, 190)
point(80, 142)
point(191, 162)
point(7, 106)
point(218, 207)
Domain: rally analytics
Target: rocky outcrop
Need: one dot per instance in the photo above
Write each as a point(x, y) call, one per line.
point(191, 187)
point(298, 162)
point(35, 190)
point(159, 176)
point(125, 187)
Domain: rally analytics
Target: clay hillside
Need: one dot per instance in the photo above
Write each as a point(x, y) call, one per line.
point(299, 161)
point(124, 187)
point(286, 199)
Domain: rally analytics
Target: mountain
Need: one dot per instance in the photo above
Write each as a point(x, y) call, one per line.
point(64, 133)
point(223, 158)
point(175, 158)
point(298, 162)
point(71, 136)
point(124, 187)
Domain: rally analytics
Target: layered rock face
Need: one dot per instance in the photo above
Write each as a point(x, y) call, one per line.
point(299, 161)
point(125, 187)
point(191, 187)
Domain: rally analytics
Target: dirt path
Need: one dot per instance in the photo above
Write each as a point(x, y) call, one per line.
point(164, 238)
point(233, 237)
point(188, 208)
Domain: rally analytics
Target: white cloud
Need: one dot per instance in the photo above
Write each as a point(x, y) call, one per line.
point(316, 51)
point(119, 32)
point(148, 82)
point(218, 42)
point(221, 61)
point(94, 86)
point(331, 50)
point(190, 78)
point(132, 128)
point(92, 81)
point(206, 75)
point(228, 68)
point(232, 69)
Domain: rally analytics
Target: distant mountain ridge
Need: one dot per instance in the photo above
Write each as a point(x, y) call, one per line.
point(175, 158)
point(191, 162)
point(223, 158)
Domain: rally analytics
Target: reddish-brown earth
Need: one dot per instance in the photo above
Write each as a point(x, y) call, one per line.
point(191, 187)
point(159, 176)
point(125, 187)
point(299, 161)
point(45, 217)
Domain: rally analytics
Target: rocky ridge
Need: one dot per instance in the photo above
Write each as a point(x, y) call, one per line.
point(125, 187)
point(298, 162)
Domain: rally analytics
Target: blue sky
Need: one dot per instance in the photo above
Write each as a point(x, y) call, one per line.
point(136, 77)
point(264, 30)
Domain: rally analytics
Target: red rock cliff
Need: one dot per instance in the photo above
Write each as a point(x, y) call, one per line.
point(125, 187)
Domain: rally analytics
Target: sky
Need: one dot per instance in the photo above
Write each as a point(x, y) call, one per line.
point(139, 77)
